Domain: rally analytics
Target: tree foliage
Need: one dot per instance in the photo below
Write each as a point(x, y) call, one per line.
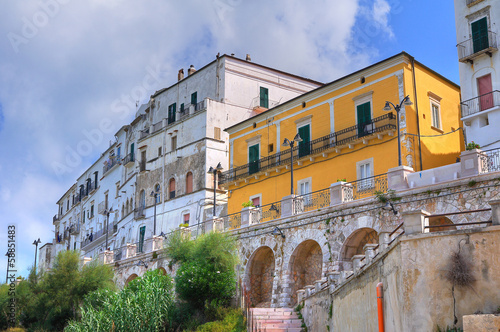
point(144, 305)
point(206, 276)
point(47, 301)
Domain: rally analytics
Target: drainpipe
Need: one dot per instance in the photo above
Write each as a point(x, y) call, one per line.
point(380, 306)
point(416, 109)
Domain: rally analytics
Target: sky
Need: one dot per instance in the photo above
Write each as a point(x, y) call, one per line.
point(68, 66)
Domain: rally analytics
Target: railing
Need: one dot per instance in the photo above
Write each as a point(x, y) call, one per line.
point(130, 158)
point(271, 103)
point(199, 106)
point(490, 160)
point(312, 201)
point(470, 2)
point(365, 187)
point(143, 133)
point(139, 212)
point(74, 229)
point(102, 207)
point(480, 103)
point(56, 218)
point(473, 47)
point(110, 163)
point(342, 137)
point(92, 237)
point(157, 126)
point(142, 165)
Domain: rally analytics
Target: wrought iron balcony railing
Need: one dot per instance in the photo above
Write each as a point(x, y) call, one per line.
point(92, 237)
point(110, 163)
point(129, 159)
point(336, 139)
point(490, 160)
point(474, 47)
point(481, 103)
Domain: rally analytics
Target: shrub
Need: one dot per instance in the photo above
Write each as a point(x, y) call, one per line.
point(232, 320)
point(472, 145)
point(247, 204)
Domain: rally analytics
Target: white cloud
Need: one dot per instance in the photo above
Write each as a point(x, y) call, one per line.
point(381, 11)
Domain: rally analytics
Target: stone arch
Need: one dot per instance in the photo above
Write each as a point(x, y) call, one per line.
point(260, 275)
point(353, 245)
point(306, 266)
point(436, 221)
point(130, 278)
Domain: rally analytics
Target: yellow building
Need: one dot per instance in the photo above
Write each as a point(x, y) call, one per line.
point(346, 134)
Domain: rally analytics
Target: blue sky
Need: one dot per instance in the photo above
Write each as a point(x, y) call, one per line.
point(64, 65)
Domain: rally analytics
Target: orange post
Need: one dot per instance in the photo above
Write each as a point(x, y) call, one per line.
point(380, 306)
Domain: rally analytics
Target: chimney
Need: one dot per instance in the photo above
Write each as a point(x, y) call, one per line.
point(180, 75)
point(248, 57)
point(191, 70)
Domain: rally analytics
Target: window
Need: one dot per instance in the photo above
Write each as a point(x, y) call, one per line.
point(194, 98)
point(159, 151)
point(189, 183)
point(92, 211)
point(83, 217)
point(253, 159)
point(118, 152)
point(186, 218)
point(362, 104)
point(256, 201)
point(171, 188)
point(436, 123)
point(485, 89)
point(171, 113)
point(132, 152)
point(67, 205)
point(365, 172)
point(142, 165)
point(142, 233)
point(479, 31)
point(270, 148)
point(173, 143)
point(264, 97)
point(305, 145)
point(217, 133)
point(158, 193)
point(304, 188)
point(182, 108)
point(117, 190)
point(142, 197)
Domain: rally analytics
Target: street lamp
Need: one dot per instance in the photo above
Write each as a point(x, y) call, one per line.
point(214, 171)
point(36, 243)
point(155, 194)
point(106, 213)
point(405, 102)
point(7, 276)
point(291, 144)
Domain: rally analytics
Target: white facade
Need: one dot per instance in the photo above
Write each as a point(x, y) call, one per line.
point(160, 148)
point(477, 25)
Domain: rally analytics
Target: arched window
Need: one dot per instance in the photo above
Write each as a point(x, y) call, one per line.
point(189, 183)
point(123, 211)
point(171, 188)
point(158, 193)
point(142, 202)
point(127, 208)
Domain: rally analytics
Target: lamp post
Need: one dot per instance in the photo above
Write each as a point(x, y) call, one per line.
point(291, 144)
point(36, 243)
point(154, 194)
point(7, 276)
point(405, 102)
point(214, 171)
point(107, 212)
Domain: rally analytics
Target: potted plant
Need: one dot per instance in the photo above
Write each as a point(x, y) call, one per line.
point(247, 204)
point(472, 145)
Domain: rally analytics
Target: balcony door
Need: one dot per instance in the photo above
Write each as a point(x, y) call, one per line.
point(142, 232)
point(253, 159)
point(480, 34)
point(364, 118)
point(485, 92)
point(305, 145)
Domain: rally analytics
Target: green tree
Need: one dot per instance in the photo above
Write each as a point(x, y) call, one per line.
point(206, 276)
point(144, 305)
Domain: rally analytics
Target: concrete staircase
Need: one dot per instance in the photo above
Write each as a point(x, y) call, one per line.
point(275, 320)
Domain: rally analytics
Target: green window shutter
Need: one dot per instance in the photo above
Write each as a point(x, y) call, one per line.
point(194, 98)
point(142, 232)
point(305, 145)
point(364, 118)
point(132, 152)
point(182, 108)
point(264, 97)
point(253, 159)
point(171, 113)
point(480, 34)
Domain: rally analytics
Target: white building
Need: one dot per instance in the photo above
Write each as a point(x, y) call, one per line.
point(477, 42)
point(160, 160)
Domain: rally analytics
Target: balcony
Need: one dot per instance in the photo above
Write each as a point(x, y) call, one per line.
point(481, 103)
point(92, 237)
point(74, 229)
point(102, 207)
point(345, 137)
point(474, 47)
point(143, 133)
point(110, 163)
point(56, 218)
point(139, 213)
point(129, 160)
